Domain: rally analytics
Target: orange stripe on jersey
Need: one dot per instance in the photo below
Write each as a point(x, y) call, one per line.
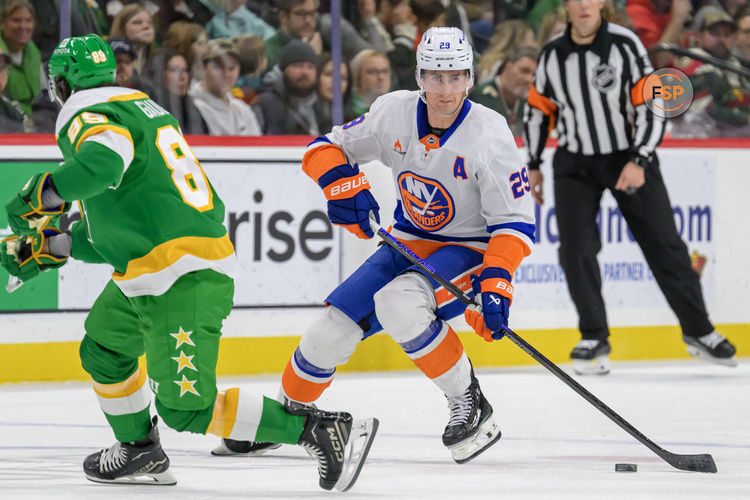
point(425, 248)
point(300, 389)
point(318, 161)
point(543, 104)
point(442, 358)
point(225, 413)
point(123, 389)
point(636, 93)
point(506, 251)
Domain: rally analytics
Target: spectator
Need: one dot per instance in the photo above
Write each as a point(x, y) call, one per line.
point(24, 76)
point(11, 114)
point(188, 39)
point(370, 27)
point(299, 19)
point(189, 11)
point(428, 13)
point(324, 104)
point(371, 76)
point(135, 24)
point(253, 63)
point(731, 7)
point(85, 18)
point(742, 40)
point(287, 105)
point(171, 73)
point(537, 13)
point(721, 97)
point(224, 114)
point(238, 20)
point(127, 75)
point(552, 24)
point(659, 21)
point(507, 37)
point(424, 14)
point(506, 93)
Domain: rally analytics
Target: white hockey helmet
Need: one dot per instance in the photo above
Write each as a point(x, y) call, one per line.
point(444, 49)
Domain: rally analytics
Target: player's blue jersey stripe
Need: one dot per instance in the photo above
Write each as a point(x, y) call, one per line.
point(403, 224)
point(424, 128)
point(424, 338)
point(310, 368)
point(320, 138)
point(522, 227)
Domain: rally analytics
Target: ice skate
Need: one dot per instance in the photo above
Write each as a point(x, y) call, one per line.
point(591, 357)
point(231, 447)
point(713, 347)
point(471, 428)
point(138, 462)
point(339, 445)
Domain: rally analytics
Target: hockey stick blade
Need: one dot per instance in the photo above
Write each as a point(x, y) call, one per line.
point(696, 463)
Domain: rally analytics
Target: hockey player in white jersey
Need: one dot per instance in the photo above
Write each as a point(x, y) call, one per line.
point(463, 205)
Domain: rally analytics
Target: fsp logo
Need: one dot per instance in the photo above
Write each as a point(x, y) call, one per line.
point(668, 92)
point(426, 201)
point(397, 148)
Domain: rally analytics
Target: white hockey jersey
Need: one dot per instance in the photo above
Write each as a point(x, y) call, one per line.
point(465, 187)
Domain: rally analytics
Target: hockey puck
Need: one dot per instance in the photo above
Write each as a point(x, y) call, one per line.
point(626, 468)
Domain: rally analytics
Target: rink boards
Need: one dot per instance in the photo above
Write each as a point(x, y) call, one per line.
point(291, 258)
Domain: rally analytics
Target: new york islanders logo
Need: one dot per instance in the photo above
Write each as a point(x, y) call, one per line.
point(428, 203)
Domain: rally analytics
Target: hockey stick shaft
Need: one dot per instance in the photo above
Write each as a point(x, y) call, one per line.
point(698, 463)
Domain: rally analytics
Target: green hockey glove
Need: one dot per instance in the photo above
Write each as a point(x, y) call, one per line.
point(26, 212)
point(24, 256)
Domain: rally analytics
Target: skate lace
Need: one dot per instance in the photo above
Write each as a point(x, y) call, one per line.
point(112, 458)
point(317, 454)
point(460, 408)
point(588, 344)
point(712, 340)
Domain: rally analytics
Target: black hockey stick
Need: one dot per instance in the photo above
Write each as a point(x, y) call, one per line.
point(697, 463)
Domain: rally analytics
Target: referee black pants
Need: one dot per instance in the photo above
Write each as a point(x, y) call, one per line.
point(579, 182)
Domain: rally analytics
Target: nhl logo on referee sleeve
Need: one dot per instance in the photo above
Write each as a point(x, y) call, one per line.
point(604, 78)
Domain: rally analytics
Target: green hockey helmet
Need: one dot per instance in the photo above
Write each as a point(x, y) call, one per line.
point(80, 62)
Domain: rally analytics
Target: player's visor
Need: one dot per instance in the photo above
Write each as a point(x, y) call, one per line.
point(444, 82)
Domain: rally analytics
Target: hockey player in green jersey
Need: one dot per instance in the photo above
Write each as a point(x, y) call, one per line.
point(148, 210)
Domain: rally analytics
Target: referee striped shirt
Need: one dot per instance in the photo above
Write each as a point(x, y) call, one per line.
point(593, 95)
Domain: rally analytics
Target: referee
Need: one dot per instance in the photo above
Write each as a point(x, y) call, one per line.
point(589, 86)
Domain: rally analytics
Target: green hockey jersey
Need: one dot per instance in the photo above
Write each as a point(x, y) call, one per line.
point(147, 207)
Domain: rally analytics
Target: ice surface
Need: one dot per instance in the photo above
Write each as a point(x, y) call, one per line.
point(554, 445)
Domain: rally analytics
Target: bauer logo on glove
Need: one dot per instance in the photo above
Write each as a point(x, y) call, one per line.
point(24, 256)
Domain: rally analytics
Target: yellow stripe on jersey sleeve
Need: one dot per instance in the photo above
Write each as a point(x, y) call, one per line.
point(97, 129)
point(128, 97)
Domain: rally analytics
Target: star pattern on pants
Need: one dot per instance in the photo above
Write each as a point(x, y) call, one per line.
point(186, 386)
point(182, 337)
point(184, 361)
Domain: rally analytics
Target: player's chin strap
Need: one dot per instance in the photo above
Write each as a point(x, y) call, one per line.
point(697, 463)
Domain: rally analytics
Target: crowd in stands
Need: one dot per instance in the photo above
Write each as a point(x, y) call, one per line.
point(237, 67)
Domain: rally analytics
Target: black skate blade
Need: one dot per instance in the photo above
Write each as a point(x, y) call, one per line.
point(160, 479)
point(361, 430)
